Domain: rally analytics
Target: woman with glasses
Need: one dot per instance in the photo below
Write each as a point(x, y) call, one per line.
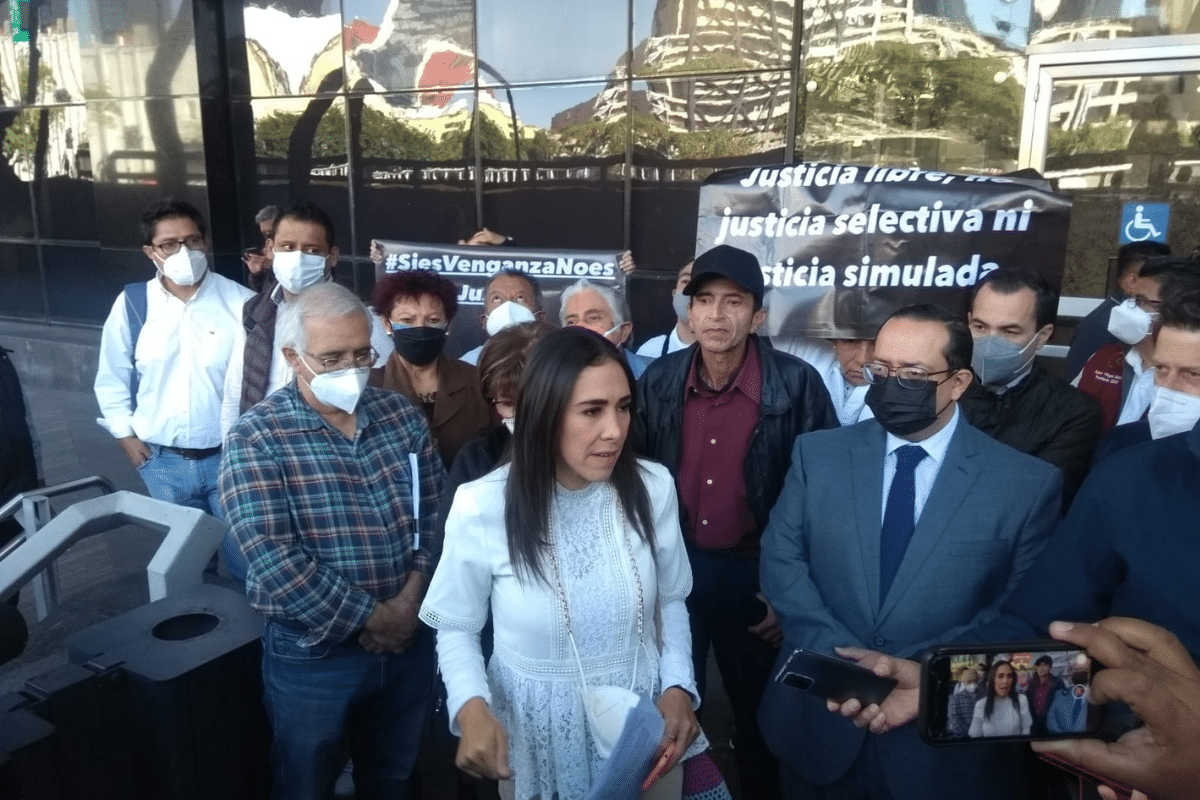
point(575, 547)
point(501, 365)
point(417, 306)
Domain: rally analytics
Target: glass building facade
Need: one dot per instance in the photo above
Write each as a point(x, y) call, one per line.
point(559, 122)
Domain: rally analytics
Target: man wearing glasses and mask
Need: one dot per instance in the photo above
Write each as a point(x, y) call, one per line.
point(895, 534)
point(331, 489)
point(164, 353)
point(1012, 316)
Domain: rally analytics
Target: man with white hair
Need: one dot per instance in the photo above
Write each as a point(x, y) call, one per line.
point(601, 310)
point(331, 489)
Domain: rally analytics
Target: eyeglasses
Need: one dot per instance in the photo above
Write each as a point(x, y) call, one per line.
point(504, 404)
point(908, 377)
point(171, 246)
point(346, 360)
point(1147, 305)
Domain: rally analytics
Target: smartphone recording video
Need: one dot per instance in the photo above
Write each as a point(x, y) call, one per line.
point(1007, 692)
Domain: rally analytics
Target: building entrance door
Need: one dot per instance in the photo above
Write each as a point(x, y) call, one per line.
point(1115, 124)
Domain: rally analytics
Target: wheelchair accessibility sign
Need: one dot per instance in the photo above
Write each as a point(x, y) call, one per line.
point(1145, 222)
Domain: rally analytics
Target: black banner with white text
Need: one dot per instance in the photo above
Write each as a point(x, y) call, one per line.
point(470, 268)
point(842, 246)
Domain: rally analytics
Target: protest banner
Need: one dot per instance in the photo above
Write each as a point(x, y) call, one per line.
point(843, 246)
point(471, 267)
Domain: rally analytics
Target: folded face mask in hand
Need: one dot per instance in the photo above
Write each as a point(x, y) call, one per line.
point(607, 708)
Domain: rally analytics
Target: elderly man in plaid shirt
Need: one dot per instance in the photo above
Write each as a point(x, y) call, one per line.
point(331, 489)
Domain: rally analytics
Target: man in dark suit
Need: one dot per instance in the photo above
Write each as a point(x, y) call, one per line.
point(895, 534)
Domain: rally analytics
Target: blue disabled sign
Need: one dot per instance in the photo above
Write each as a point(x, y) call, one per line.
point(1145, 222)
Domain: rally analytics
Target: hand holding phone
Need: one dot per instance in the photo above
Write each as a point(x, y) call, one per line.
point(1010, 691)
point(832, 678)
point(900, 706)
point(1148, 668)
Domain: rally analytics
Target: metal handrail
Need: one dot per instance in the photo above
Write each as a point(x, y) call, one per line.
point(190, 537)
point(33, 506)
point(97, 481)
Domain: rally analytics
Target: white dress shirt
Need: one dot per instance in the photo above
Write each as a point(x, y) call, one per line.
point(653, 347)
point(926, 471)
point(848, 400)
point(182, 356)
point(1141, 393)
point(472, 356)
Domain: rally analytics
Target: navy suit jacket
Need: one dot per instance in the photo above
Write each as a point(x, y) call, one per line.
point(990, 511)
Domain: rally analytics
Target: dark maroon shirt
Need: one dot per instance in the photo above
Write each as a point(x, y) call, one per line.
point(1041, 695)
point(717, 426)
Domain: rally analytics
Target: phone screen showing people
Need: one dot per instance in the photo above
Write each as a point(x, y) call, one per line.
point(1007, 692)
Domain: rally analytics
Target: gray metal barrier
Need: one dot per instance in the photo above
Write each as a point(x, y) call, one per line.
point(190, 537)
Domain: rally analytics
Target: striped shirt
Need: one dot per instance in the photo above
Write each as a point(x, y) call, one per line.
point(326, 522)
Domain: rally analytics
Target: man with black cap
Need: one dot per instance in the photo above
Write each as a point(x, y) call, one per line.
point(722, 416)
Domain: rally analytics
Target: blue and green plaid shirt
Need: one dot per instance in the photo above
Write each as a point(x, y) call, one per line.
point(326, 523)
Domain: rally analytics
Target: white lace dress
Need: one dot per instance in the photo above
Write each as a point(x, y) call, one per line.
point(532, 682)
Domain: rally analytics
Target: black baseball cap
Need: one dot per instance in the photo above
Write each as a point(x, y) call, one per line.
point(728, 262)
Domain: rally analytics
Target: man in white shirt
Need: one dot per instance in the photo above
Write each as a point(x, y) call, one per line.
point(601, 310)
point(840, 364)
point(163, 355)
point(301, 249)
point(681, 335)
point(510, 298)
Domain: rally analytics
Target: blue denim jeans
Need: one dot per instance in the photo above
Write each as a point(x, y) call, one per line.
point(334, 701)
point(192, 483)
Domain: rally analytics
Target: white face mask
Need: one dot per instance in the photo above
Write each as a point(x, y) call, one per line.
point(296, 270)
point(680, 302)
point(185, 267)
point(608, 334)
point(340, 389)
point(1172, 412)
point(1129, 322)
point(607, 708)
point(506, 314)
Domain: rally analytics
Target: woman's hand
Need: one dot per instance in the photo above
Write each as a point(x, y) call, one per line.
point(483, 749)
point(675, 705)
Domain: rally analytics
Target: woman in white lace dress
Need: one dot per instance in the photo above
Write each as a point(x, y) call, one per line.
point(576, 546)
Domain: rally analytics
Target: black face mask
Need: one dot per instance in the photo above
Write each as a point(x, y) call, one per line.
point(419, 346)
point(902, 411)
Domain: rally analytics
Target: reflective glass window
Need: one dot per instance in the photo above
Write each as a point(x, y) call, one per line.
point(698, 36)
point(294, 48)
point(416, 178)
point(414, 44)
point(552, 40)
point(21, 279)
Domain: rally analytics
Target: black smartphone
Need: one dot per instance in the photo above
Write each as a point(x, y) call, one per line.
point(833, 678)
point(1006, 692)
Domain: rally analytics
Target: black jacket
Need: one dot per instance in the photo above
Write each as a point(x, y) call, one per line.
point(18, 465)
point(475, 459)
point(794, 401)
point(1044, 417)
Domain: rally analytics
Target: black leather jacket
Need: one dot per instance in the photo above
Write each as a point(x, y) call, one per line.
point(1044, 417)
point(794, 401)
